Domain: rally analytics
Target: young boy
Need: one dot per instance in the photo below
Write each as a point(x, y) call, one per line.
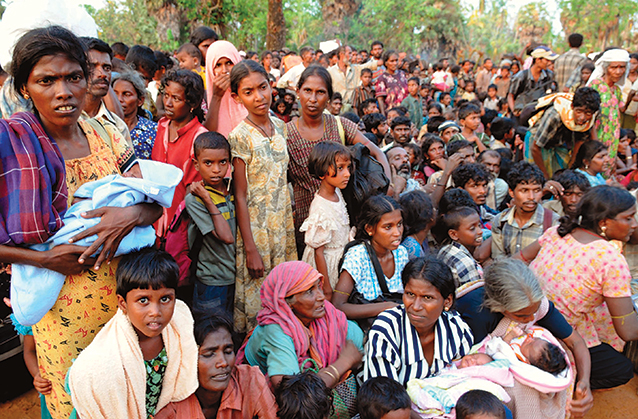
point(447, 130)
point(574, 187)
point(383, 398)
point(303, 396)
point(502, 130)
point(190, 58)
point(470, 119)
point(481, 404)
point(526, 220)
point(474, 178)
point(142, 359)
point(491, 101)
point(363, 92)
point(413, 103)
point(465, 234)
point(367, 107)
point(376, 124)
point(213, 228)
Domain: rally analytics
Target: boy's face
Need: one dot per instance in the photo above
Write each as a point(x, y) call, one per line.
point(491, 92)
point(397, 414)
point(446, 100)
point(366, 78)
point(413, 88)
point(477, 190)
point(469, 87)
point(526, 196)
point(472, 121)
point(371, 108)
point(570, 199)
point(425, 92)
point(469, 233)
point(212, 165)
point(187, 61)
point(149, 310)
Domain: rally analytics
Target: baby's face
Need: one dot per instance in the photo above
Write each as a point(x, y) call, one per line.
point(397, 414)
point(532, 348)
point(474, 360)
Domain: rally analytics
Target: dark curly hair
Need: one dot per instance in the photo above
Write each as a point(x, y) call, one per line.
point(551, 359)
point(524, 172)
point(470, 171)
point(193, 88)
point(587, 97)
point(418, 212)
point(570, 179)
point(303, 396)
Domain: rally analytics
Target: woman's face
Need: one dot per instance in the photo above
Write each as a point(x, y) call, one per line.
point(436, 151)
point(388, 231)
point(267, 60)
point(515, 68)
point(127, 96)
point(622, 226)
point(175, 105)
point(424, 304)
point(313, 96)
point(203, 47)
point(392, 63)
point(599, 162)
point(524, 315)
point(57, 87)
point(309, 305)
point(433, 111)
point(615, 71)
point(222, 66)
point(216, 361)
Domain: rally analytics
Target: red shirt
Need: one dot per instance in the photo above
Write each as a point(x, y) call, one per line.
point(179, 153)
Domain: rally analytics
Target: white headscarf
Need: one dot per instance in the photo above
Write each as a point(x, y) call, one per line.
point(611, 56)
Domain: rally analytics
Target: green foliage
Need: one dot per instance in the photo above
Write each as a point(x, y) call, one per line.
point(489, 32)
point(127, 21)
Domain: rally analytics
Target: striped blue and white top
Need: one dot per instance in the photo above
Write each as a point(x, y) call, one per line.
point(394, 349)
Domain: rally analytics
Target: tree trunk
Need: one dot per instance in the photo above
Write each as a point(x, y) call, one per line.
point(276, 35)
point(334, 14)
point(170, 19)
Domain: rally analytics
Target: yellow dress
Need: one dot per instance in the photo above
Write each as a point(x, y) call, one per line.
point(270, 210)
point(87, 301)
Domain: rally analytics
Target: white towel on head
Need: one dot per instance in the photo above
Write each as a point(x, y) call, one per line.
point(611, 56)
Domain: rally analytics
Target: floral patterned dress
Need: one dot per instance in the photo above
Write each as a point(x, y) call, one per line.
point(270, 210)
point(392, 88)
point(608, 121)
point(577, 277)
point(87, 301)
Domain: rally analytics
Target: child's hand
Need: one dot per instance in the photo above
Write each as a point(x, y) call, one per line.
point(514, 333)
point(42, 385)
point(198, 189)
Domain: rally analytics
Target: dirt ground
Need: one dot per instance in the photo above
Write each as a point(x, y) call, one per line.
point(619, 403)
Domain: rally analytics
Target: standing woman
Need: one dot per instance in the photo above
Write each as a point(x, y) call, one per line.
point(203, 37)
point(129, 89)
point(392, 85)
point(53, 154)
point(608, 78)
point(224, 113)
point(313, 126)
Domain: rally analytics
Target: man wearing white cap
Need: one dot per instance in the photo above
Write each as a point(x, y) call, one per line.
point(531, 84)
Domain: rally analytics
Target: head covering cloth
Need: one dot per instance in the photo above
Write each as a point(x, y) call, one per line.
point(612, 56)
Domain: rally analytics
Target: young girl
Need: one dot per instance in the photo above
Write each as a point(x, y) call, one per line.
point(379, 234)
point(418, 216)
point(176, 132)
point(262, 200)
point(328, 224)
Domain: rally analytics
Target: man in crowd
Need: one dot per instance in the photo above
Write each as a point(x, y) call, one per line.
point(529, 85)
point(347, 76)
point(291, 77)
point(565, 65)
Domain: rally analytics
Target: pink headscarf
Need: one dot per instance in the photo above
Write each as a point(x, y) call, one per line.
point(230, 112)
point(327, 335)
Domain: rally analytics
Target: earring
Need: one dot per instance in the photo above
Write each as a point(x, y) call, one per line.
point(602, 233)
point(447, 308)
point(586, 167)
point(26, 96)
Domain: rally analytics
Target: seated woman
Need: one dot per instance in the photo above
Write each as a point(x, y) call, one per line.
point(591, 161)
point(511, 294)
point(297, 323)
point(588, 279)
point(422, 336)
point(434, 159)
point(225, 390)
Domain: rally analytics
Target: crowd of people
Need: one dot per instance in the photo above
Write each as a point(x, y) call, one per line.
point(354, 232)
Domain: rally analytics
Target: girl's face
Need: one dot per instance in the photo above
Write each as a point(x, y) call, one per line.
point(515, 68)
point(254, 93)
point(433, 111)
point(313, 96)
point(175, 105)
point(622, 226)
point(267, 60)
point(216, 361)
point(127, 96)
point(281, 108)
point(203, 47)
point(436, 151)
point(339, 178)
point(388, 231)
point(411, 156)
point(585, 74)
point(424, 304)
point(223, 66)
point(57, 87)
point(599, 162)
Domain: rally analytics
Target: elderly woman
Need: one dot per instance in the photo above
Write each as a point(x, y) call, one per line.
point(420, 337)
point(512, 295)
point(226, 390)
point(130, 91)
point(297, 323)
point(608, 78)
point(588, 279)
point(47, 157)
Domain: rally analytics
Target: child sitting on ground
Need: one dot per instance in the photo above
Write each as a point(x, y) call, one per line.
point(212, 232)
point(303, 396)
point(147, 350)
point(418, 218)
point(479, 404)
point(383, 398)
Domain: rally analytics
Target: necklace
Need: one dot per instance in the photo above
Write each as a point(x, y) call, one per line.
point(272, 128)
point(592, 234)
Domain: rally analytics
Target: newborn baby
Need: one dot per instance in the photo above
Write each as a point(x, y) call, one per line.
point(532, 349)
